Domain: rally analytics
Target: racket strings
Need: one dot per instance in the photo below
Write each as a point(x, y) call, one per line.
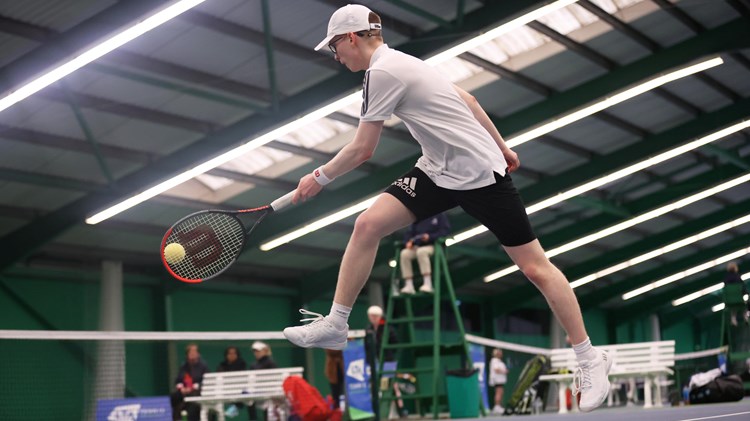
point(212, 241)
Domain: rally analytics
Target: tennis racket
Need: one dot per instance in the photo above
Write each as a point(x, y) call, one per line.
point(204, 244)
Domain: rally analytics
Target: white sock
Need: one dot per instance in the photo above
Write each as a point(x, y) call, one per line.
point(339, 315)
point(427, 280)
point(408, 282)
point(584, 351)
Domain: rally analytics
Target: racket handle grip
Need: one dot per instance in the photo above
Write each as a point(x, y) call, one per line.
point(283, 201)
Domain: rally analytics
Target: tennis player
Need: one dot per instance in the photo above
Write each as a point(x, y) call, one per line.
point(464, 162)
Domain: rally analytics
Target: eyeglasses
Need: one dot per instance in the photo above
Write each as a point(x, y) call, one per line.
point(336, 40)
point(332, 44)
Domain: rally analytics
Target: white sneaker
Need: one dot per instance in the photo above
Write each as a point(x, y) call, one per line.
point(408, 289)
point(498, 410)
point(319, 333)
point(591, 380)
point(426, 289)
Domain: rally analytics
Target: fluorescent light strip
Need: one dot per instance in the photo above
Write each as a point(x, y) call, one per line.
point(660, 251)
point(609, 178)
point(320, 223)
point(612, 100)
point(308, 118)
point(221, 159)
point(697, 294)
point(630, 223)
point(685, 273)
point(97, 51)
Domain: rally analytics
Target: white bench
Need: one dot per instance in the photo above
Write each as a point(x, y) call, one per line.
point(245, 387)
point(644, 360)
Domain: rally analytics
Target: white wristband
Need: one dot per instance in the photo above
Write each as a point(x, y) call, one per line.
point(320, 176)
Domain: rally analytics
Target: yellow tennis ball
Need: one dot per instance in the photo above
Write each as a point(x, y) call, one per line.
point(174, 253)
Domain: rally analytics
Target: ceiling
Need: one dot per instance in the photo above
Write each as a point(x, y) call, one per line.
point(206, 82)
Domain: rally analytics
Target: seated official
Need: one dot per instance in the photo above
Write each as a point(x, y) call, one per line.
point(187, 383)
point(418, 244)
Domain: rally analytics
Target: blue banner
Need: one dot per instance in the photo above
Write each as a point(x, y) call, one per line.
point(477, 357)
point(154, 408)
point(357, 378)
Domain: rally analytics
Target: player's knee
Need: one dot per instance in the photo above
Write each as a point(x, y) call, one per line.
point(367, 227)
point(534, 272)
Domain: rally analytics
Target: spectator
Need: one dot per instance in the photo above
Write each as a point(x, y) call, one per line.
point(263, 361)
point(418, 244)
point(187, 383)
point(374, 336)
point(498, 378)
point(335, 374)
point(232, 362)
point(733, 277)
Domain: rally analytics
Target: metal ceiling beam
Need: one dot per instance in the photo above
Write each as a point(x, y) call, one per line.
point(390, 23)
point(424, 14)
point(116, 152)
point(270, 59)
point(742, 8)
point(730, 36)
point(253, 36)
point(131, 111)
point(621, 26)
point(35, 234)
point(607, 63)
point(72, 144)
point(652, 45)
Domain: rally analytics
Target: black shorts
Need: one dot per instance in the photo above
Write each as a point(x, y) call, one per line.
point(498, 206)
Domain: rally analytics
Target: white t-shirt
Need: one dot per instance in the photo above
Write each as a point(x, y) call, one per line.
point(457, 152)
point(495, 377)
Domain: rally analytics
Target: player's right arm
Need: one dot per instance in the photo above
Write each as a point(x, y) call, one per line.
point(484, 120)
point(352, 155)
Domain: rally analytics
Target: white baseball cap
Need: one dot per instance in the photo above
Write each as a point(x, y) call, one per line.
point(259, 346)
point(374, 311)
point(350, 18)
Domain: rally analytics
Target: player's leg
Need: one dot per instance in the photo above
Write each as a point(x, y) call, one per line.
point(500, 209)
point(385, 216)
point(554, 286)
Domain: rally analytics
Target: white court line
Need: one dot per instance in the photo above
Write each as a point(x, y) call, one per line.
point(716, 416)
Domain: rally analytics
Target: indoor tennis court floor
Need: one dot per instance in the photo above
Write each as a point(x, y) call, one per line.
point(733, 411)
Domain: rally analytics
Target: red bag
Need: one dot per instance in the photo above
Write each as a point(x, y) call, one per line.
point(305, 400)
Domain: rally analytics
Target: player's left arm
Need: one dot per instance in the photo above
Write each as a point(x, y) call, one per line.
point(484, 120)
point(352, 155)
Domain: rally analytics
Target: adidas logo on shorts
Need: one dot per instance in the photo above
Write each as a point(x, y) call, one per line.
point(407, 184)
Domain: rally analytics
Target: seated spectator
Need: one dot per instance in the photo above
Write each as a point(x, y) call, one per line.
point(187, 383)
point(733, 277)
point(232, 362)
point(418, 244)
point(263, 361)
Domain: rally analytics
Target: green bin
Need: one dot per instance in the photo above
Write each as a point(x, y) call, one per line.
point(462, 387)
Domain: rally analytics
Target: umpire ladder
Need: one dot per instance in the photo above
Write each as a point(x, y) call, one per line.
point(412, 349)
point(737, 339)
